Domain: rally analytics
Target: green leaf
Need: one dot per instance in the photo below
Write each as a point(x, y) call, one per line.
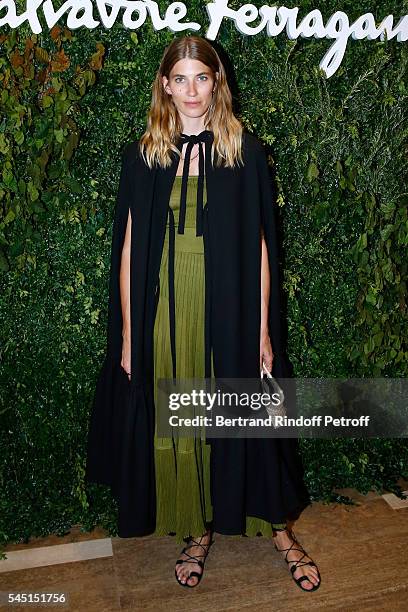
point(59, 135)
point(73, 184)
point(47, 101)
point(9, 217)
point(371, 297)
point(386, 232)
point(4, 144)
point(312, 172)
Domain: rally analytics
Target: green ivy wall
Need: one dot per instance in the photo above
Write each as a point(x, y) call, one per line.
point(338, 150)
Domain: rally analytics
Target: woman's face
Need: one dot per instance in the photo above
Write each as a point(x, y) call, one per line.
point(191, 85)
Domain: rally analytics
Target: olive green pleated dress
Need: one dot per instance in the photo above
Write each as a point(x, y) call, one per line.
point(182, 465)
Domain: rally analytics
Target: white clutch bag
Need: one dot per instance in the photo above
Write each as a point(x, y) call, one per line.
point(270, 387)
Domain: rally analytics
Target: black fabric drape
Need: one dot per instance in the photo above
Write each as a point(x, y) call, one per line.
point(255, 477)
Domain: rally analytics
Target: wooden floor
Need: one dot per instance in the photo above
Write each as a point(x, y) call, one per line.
point(362, 553)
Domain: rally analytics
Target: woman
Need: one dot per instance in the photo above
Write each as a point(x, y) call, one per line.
point(193, 293)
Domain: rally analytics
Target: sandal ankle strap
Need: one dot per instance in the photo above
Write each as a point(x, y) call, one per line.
point(193, 542)
point(298, 562)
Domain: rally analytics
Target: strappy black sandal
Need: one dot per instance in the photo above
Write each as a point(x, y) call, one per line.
point(299, 563)
point(194, 559)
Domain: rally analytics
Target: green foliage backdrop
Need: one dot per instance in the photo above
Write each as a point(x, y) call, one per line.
point(69, 102)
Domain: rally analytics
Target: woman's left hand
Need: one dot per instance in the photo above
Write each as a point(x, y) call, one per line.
point(266, 354)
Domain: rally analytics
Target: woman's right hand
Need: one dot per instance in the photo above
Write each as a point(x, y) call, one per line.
point(126, 353)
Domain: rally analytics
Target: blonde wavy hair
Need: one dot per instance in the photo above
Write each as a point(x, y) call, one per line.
point(164, 126)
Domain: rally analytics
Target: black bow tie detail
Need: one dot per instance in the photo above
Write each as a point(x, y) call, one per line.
point(206, 137)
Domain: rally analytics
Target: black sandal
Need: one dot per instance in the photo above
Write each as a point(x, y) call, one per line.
point(299, 563)
point(193, 559)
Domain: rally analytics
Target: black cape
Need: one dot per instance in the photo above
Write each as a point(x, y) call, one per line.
point(249, 477)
